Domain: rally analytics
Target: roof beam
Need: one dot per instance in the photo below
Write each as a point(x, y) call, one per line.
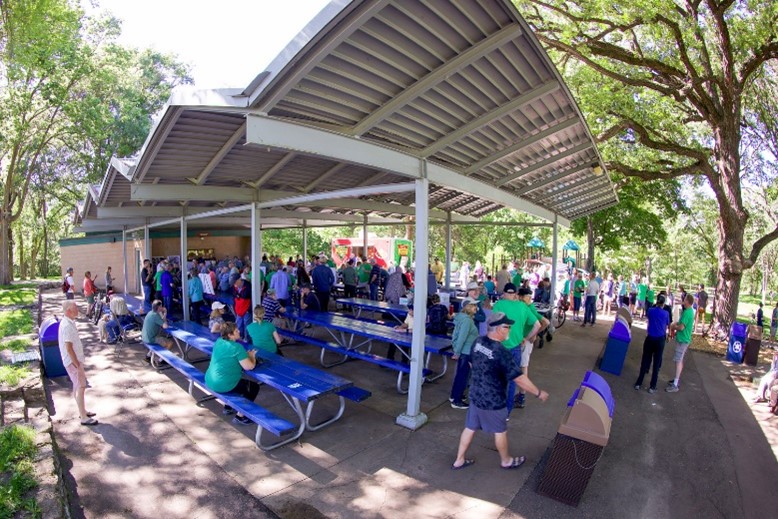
point(449, 178)
point(533, 139)
point(182, 192)
point(574, 184)
point(155, 141)
point(275, 133)
point(272, 171)
point(324, 176)
point(490, 116)
point(219, 156)
point(335, 37)
point(347, 193)
point(580, 198)
point(437, 76)
point(553, 178)
point(543, 163)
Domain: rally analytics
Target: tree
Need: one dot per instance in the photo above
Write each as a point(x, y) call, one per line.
point(666, 83)
point(69, 100)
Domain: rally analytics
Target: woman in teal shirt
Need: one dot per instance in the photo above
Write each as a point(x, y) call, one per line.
point(263, 334)
point(228, 361)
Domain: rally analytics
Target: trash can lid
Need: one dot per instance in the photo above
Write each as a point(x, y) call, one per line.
point(49, 330)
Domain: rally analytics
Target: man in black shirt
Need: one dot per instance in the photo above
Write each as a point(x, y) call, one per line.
point(493, 367)
point(147, 279)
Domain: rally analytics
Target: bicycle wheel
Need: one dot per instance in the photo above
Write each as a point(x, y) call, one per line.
point(559, 317)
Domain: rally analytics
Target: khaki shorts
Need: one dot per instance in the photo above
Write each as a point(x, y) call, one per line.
point(680, 351)
point(526, 351)
point(77, 376)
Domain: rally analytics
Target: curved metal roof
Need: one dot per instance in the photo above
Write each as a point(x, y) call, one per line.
point(365, 92)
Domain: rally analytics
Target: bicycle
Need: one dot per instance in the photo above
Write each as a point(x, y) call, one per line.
point(560, 315)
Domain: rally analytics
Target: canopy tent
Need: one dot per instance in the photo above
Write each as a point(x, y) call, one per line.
point(378, 111)
point(536, 243)
point(570, 245)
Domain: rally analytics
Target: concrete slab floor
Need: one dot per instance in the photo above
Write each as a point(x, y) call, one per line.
point(697, 452)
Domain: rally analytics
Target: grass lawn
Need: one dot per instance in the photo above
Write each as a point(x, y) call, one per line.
point(15, 322)
point(16, 345)
point(17, 475)
point(17, 295)
point(11, 375)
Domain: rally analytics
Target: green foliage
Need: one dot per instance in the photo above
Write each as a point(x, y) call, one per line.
point(10, 375)
point(15, 322)
point(16, 345)
point(17, 296)
point(17, 474)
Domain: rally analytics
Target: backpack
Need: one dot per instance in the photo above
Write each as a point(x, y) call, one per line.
point(65, 285)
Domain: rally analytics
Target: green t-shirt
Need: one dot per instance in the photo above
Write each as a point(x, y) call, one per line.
point(152, 326)
point(650, 296)
point(349, 276)
point(262, 336)
point(687, 320)
point(566, 288)
point(529, 325)
point(364, 272)
point(225, 370)
point(516, 311)
point(642, 289)
point(517, 279)
point(578, 288)
point(158, 281)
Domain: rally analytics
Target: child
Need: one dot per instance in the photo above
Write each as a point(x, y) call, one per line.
point(263, 333)
point(216, 320)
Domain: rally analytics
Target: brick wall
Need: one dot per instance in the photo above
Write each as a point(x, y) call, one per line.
point(95, 257)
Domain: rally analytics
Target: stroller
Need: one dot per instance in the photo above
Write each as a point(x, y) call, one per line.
point(122, 321)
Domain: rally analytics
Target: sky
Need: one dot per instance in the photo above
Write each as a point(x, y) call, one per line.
point(225, 42)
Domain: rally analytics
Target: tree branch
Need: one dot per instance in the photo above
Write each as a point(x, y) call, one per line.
point(662, 145)
point(693, 169)
point(763, 54)
point(760, 244)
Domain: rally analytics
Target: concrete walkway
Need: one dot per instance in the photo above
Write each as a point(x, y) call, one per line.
point(699, 452)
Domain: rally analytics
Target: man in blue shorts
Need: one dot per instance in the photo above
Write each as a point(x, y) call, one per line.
point(492, 368)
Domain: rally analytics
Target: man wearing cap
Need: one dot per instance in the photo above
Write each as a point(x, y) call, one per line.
point(522, 316)
point(323, 279)
point(493, 368)
point(71, 283)
point(474, 292)
point(216, 320)
point(308, 300)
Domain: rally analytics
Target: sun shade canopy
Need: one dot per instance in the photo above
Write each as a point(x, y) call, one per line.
point(370, 96)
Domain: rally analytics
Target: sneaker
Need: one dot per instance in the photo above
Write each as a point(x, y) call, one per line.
point(672, 388)
point(522, 401)
point(670, 383)
point(241, 420)
point(227, 411)
point(459, 405)
point(451, 400)
point(651, 390)
point(637, 387)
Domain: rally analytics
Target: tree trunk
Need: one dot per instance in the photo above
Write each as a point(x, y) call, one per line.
point(732, 222)
point(5, 250)
point(589, 244)
point(22, 261)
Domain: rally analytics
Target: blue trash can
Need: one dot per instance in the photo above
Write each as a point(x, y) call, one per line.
point(737, 342)
point(49, 344)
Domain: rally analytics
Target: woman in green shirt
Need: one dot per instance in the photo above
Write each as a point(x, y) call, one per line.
point(225, 372)
point(263, 333)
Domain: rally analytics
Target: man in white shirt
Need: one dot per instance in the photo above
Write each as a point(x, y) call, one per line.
point(590, 306)
point(72, 352)
point(71, 292)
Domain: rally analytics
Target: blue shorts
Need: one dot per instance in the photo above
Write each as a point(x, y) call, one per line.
point(491, 421)
point(576, 303)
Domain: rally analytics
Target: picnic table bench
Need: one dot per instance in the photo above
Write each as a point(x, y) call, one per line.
point(298, 383)
point(353, 338)
point(264, 419)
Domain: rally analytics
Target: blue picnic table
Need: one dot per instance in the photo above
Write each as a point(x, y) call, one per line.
point(398, 312)
point(298, 383)
point(352, 334)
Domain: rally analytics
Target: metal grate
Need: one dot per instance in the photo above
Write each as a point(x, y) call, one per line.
point(568, 470)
